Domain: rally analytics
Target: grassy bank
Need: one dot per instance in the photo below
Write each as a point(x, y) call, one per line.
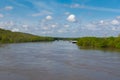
point(7, 36)
point(95, 42)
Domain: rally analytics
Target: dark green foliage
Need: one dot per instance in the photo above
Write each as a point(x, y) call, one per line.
point(7, 36)
point(68, 39)
point(94, 42)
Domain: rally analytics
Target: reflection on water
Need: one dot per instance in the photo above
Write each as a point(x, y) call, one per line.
point(60, 60)
point(101, 49)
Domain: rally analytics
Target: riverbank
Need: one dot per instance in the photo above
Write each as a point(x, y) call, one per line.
point(7, 36)
point(96, 42)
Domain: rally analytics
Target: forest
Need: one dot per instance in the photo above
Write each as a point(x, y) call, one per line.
point(7, 36)
point(99, 42)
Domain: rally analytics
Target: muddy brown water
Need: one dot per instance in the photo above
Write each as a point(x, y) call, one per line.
point(59, 60)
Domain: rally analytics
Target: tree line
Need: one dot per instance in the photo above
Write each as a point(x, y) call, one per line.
point(7, 36)
point(95, 42)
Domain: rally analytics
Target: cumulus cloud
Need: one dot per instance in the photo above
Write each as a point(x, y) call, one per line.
point(15, 30)
point(48, 17)
point(8, 8)
point(107, 25)
point(71, 18)
point(53, 25)
point(115, 22)
point(1, 15)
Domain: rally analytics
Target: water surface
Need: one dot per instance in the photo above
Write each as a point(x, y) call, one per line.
point(59, 60)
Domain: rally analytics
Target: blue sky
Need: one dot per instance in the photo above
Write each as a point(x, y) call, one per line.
point(61, 18)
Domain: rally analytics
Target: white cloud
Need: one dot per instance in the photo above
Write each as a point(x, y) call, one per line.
point(8, 8)
point(118, 17)
point(91, 26)
point(53, 25)
point(60, 31)
point(1, 15)
point(67, 13)
point(79, 6)
point(71, 18)
point(36, 14)
point(1, 24)
point(2, 27)
point(76, 6)
point(45, 28)
point(10, 23)
point(66, 25)
point(15, 30)
point(104, 25)
point(113, 28)
point(115, 22)
point(48, 17)
point(24, 25)
point(42, 13)
point(101, 21)
point(44, 32)
point(47, 32)
point(7, 23)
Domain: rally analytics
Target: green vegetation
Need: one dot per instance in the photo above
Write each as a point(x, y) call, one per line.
point(94, 42)
point(68, 39)
point(7, 36)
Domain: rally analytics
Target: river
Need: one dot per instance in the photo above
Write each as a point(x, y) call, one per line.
point(58, 60)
